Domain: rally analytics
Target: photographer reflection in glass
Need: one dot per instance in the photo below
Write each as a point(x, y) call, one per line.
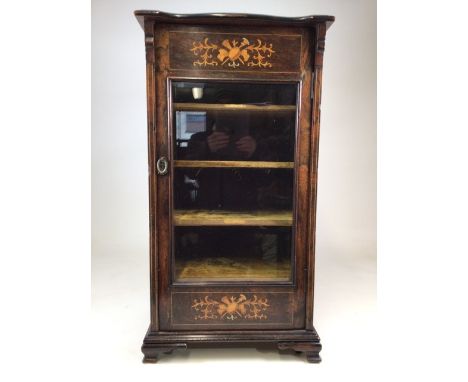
point(235, 135)
point(227, 139)
point(220, 140)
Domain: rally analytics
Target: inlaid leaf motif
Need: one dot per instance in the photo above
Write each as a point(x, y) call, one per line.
point(205, 51)
point(233, 53)
point(231, 308)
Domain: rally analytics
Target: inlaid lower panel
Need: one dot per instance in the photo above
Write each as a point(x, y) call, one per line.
point(234, 52)
point(234, 308)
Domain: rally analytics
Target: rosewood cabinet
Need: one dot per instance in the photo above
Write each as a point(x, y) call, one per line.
point(233, 128)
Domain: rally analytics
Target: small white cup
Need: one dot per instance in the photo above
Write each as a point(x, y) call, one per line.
point(197, 93)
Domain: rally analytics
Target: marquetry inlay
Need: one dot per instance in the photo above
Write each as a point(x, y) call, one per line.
point(232, 53)
point(231, 308)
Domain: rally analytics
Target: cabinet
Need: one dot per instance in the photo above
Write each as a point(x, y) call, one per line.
point(233, 127)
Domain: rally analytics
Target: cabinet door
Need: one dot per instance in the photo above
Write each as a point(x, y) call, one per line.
point(233, 204)
point(233, 182)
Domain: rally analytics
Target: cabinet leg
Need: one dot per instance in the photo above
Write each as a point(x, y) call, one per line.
point(311, 349)
point(150, 359)
point(313, 357)
point(152, 352)
point(150, 355)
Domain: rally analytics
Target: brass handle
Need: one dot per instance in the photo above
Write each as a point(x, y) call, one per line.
point(162, 166)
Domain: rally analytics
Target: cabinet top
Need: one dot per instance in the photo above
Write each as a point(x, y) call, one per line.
point(231, 19)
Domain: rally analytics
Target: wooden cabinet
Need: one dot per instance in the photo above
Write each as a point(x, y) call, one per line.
point(233, 127)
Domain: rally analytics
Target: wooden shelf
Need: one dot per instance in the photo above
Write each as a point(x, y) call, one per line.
point(231, 218)
point(229, 107)
point(225, 269)
point(231, 164)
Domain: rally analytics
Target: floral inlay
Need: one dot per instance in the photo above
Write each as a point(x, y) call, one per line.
point(233, 53)
point(230, 308)
point(205, 51)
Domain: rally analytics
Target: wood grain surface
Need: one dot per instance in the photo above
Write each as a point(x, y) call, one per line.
point(231, 164)
point(226, 107)
point(232, 218)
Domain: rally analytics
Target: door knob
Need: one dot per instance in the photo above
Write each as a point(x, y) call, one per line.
point(162, 166)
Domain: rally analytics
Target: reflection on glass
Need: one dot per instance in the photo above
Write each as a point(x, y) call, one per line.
point(233, 181)
point(233, 189)
point(235, 93)
point(234, 122)
point(232, 254)
point(187, 125)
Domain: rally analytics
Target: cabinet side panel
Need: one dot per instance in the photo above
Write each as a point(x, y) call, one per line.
point(150, 95)
point(319, 46)
point(164, 182)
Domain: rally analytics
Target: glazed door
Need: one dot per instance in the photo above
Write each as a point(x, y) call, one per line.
point(233, 182)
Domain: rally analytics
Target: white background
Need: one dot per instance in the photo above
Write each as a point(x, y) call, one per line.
point(45, 214)
point(346, 233)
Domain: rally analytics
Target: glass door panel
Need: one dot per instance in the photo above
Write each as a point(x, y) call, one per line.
point(232, 253)
point(234, 122)
point(233, 189)
point(233, 149)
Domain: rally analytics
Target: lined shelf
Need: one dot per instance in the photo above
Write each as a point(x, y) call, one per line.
point(231, 164)
point(232, 218)
point(222, 269)
point(227, 107)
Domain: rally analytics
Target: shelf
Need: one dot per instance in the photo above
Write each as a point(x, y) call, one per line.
point(229, 107)
point(231, 218)
point(223, 269)
point(231, 164)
